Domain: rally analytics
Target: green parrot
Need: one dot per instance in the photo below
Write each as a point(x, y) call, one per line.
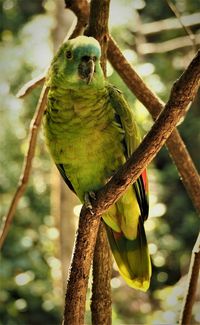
point(90, 132)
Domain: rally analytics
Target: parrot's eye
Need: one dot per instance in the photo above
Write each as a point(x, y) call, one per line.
point(68, 54)
point(94, 58)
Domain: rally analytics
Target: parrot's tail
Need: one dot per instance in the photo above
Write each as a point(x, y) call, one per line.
point(132, 257)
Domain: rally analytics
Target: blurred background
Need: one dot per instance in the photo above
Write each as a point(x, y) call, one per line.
point(37, 252)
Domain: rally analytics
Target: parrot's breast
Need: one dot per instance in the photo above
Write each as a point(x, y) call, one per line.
point(85, 138)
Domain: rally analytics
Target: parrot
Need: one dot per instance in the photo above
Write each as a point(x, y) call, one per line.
point(90, 131)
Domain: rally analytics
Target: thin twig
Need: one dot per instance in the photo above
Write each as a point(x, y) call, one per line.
point(40, 79)
point(160, 26)
point(30, 85)
point(34, 129)
point(183, 92)
point(193, 275)
point(167, 46)
point(186, 28)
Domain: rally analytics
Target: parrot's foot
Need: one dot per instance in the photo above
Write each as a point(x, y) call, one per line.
point(87, 200)
point(92, 195)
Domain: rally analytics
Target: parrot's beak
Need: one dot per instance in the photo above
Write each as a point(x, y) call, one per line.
point(86, 68)
point(91, 68)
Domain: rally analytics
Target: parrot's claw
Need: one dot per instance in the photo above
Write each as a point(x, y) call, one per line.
point(87, 200)
point(92, 195)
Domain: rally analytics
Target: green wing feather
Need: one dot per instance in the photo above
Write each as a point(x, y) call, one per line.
point(132, 256)
point(132, 135)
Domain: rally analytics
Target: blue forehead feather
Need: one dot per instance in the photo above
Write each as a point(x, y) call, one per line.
point(83, 45)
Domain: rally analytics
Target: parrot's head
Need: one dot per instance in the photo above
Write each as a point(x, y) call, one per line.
point(77, 64)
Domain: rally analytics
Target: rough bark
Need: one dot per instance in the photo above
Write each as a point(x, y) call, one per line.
point(80, 267)
point(175, 144)
point(101, 302)
point(98, 26)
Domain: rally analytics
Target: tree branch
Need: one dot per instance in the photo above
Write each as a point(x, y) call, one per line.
point(175, 144)
point(34, 129)
point(186, 313)
point(168, 24)
point(81, 10)
point(101, 291)
point(99, 14)
point(30, 85)
point(186, 28)
point(167, 46)
point(183, 92)
point(36, 121)
point(101, 302)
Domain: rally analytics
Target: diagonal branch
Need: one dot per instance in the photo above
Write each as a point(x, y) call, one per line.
point(175, 144)
point(34, 128)
point(167, 46)
point(183, 92)
point(166, 24)
point(32, 84)
point(186, 28)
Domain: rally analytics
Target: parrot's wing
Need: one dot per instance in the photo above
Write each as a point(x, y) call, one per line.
point(124, 117)
point(132, 256)
point(64, 176)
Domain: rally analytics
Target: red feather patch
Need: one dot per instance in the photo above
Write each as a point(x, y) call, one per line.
point(145, 180)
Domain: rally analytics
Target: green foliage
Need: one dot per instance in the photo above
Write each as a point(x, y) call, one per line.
point(15, 13)
point(26, 275)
